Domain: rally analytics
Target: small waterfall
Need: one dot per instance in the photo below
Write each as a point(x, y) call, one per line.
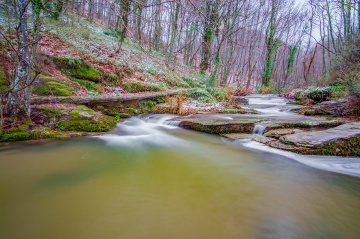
point(144, 131)
point(172, 123)
point(259, 129)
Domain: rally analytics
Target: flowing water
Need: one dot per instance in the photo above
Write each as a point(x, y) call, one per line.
point(150, 179)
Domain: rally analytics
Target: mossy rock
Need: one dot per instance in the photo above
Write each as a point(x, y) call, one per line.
point(123, 116)
point(319, 94)
point(77, 69)
point(135, 87)
point(14, 137)
point(88, 85)
point(217, 126)
point(342, 147)
point(86, 125)
point(46, 85)
point(132, 111)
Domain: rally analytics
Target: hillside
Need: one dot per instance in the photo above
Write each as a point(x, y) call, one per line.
point(83, 59)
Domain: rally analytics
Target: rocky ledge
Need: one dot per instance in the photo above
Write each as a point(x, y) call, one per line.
point(342, 140)
point(304, 135)
point(230, 123)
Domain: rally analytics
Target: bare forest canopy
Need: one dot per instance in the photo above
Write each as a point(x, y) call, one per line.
point(247, 43)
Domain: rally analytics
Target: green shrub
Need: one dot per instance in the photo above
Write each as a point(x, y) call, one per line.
point(111, 32)
point(218, 94)
point(193, 82)
point(198, 93)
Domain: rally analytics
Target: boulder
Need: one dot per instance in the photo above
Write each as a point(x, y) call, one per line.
point(241, 100)
point(340, 107)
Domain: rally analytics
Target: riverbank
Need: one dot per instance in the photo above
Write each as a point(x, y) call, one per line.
point(266, 119)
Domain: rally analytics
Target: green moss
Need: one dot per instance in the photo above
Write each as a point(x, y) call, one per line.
point(113, 111)
point(123, 116)
point(86, 125)
point(319, 94)
point(313, 124)
point(111, 32)
point(14, 137)
point(84, 107)
point(3, 82)
point(48, 86)
point(88, 85)
point(77, 69)
point(75, 114)
point(134, 87)
point(86, 72)
point(132, 111)
point(43, 132)
point(49, 110)
point(148, 106)
point(344, 147)
point(53, 135)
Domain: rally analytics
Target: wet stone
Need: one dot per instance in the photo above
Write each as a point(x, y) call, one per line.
point(318, 138)
point(277, 133)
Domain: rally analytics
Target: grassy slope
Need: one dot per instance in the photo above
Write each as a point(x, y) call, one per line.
point(87, 42)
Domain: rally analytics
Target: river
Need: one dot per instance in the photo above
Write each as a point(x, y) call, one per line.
point(150, 179)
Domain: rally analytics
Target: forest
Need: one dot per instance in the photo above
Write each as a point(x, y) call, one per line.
point(213, 48)
point(179, 119)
